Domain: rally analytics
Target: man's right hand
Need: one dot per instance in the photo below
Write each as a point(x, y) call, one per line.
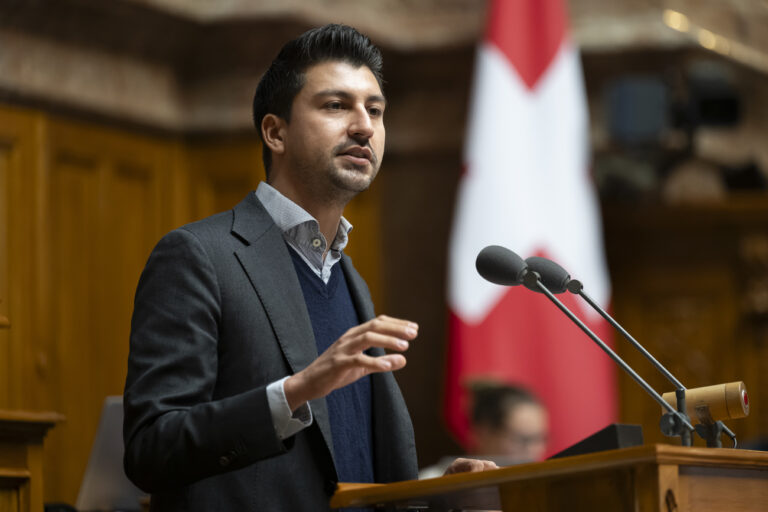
point(345, 362)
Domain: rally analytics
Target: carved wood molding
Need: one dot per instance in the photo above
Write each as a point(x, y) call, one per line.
point(30, 426)
point(187, 65)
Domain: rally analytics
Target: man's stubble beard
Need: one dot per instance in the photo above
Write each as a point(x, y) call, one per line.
point(336, 184)
point(353, 179)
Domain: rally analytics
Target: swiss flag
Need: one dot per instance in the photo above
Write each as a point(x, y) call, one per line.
point(527, 187)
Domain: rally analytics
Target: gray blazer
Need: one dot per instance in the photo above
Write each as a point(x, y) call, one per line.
point(219, 314)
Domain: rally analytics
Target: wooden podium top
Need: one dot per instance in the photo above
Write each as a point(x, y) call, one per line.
point(481, 490)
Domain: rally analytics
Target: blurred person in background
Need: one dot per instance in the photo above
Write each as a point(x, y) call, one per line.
point(509, 425)
point(508, 422)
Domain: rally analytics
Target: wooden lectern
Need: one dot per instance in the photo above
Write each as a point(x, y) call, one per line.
point(650, 478)
point(21, 458)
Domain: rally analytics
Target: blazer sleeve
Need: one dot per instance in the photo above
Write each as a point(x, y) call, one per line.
point(175, 431)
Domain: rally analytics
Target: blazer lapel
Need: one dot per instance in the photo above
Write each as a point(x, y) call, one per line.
point(269, 267)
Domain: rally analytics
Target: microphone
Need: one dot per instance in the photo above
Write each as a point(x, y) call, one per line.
point(713, 403)
point(553, 273)
point(554, 277)
point(501, 266)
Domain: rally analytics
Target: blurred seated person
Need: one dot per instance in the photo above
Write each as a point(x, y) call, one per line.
point(510, 422)
point(508, 425)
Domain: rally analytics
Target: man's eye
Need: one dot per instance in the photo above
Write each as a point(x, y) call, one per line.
point(333, 105)
point(375, 111)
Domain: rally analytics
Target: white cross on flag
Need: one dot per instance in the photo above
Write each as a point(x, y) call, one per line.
point(526, 186)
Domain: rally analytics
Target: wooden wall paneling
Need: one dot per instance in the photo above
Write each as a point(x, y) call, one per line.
point(72, 323)
point(418, 192)
point(9, 496)
point(6, 155)
point(108, 198)
point(678, 286)
point(176, 191)
point(366, 246)
point(128, 230)
point(220, 173)
point(685, 317)
point(752, 335)
point(74, 185)
point(19, 167)
point(754, 369)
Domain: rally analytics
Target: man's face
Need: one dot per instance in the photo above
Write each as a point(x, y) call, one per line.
point(334, 141)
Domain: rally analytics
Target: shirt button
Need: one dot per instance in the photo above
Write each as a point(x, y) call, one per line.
point(316, 242)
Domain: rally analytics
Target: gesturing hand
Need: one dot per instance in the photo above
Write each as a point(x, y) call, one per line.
point(344, 362)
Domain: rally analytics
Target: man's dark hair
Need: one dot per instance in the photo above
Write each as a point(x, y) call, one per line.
point(286, 75)
point(492, 403)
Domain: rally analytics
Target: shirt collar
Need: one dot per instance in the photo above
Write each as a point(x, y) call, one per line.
point(287, 215)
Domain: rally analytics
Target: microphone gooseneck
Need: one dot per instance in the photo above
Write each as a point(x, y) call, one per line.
point(576, 288)
point(553, 274)
point(501, 266)
point(532, 280)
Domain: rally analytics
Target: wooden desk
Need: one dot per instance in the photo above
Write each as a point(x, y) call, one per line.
point(651, 478)
point(21, 458)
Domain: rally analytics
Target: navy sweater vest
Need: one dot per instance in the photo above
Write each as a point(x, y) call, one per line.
point(332, 313)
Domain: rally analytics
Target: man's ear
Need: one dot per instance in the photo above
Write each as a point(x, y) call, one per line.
point(273, 131)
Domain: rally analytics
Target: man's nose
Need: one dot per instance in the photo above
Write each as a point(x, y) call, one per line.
point(361, 125)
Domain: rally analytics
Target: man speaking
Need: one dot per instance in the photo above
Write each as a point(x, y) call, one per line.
point(258, 376)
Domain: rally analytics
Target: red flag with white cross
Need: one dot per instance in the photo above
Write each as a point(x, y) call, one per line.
point(526, 186)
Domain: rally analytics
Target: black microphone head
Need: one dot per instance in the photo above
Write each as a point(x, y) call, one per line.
point(552, 275)
point(501, 266)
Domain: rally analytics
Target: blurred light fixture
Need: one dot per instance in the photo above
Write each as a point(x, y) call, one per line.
point(707, 39)
point(676, 20)
point(722, 45)
point(731, 48)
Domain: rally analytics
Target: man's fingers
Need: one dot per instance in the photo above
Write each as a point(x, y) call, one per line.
point(319, 379)
point(386, 318)
point(392, 326)
point(394, 361)
point(383, 324)
point(462, 465)
point(370, 339)
point(489, 464)
point(389, 362)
